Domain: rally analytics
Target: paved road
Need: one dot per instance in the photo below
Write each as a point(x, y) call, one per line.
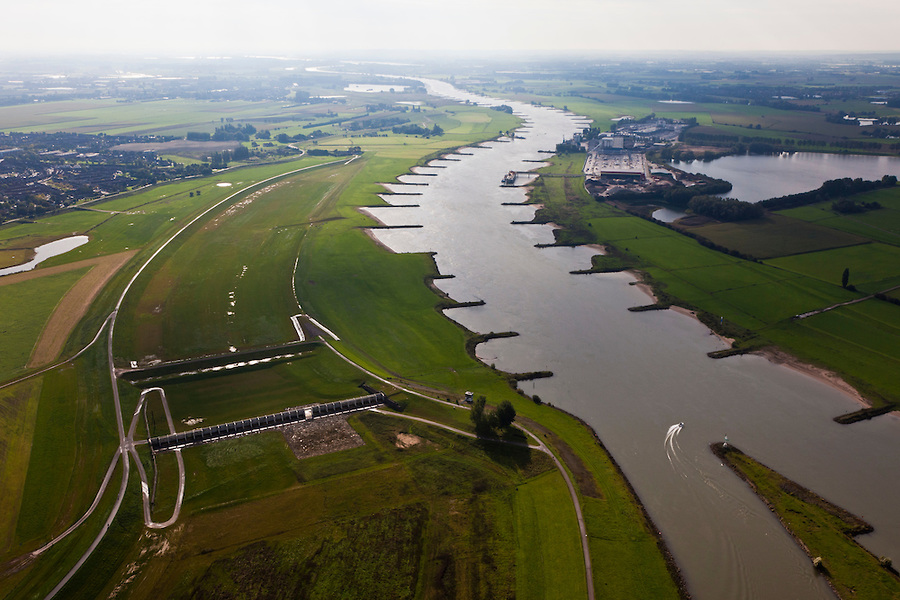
point(840, 304)
point(124, 443)
point(145, 486)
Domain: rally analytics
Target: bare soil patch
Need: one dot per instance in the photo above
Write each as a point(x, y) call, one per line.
point(74, 304)
point(780, 357)
point(321, 436)
point(406, 440)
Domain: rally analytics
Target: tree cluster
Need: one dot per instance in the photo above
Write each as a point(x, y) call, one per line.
point(725, 209)
point(486, 423)
point(833, 188)
point(418, 130)
point(846, 206)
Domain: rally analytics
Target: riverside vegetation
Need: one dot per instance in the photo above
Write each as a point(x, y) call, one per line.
point(441, 516)
point(800, 257)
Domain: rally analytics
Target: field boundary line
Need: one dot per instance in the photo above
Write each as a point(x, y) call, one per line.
point(123, 442)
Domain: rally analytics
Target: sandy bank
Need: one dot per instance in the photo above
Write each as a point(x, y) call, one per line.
point(774, 355)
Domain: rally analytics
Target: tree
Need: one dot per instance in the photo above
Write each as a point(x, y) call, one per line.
point(482, 424)
point(505, 414)
point(845, 278)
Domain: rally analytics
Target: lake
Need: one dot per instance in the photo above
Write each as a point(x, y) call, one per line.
point(760, 177)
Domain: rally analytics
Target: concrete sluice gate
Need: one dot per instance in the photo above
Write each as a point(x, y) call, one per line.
point(247, 426)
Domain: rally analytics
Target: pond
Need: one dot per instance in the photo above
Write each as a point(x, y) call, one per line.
point(42, 253)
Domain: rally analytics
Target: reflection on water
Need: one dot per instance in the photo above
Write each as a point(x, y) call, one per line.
point(759, 177)
point(667, 215)
point(42, 253)
point(631, 376)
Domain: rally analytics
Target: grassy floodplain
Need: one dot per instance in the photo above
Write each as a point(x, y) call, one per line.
point(859, 342)
point(825, 531)
point(445, 516)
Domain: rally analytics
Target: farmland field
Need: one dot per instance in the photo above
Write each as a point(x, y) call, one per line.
point(756, 301)
point(881, 225)
point(24, 310)
point(776, 235)
point(872, 266)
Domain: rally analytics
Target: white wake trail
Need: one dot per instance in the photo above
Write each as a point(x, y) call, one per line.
point(670, 443)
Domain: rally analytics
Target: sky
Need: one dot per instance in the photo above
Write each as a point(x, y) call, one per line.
point(299, 27)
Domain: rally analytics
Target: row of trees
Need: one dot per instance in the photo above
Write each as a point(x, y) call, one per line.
point(418, 130)
point(725, 209)
point(833, 188)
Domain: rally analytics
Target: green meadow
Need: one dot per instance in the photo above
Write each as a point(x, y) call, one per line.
point(755, 302)
point(777, 235)
point(24, 310)
point(448, 516)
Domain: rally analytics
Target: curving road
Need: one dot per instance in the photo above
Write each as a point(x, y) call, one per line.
point(126, 439)
point(126, 444)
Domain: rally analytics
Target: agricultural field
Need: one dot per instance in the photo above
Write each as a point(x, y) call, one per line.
point(26, 307)
point(777, 235)
point(756, 302)
point(786, 108)
point(872, 266)
point(446, 516)
point(881, 225)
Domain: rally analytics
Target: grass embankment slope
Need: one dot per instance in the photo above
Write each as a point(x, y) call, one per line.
point(378, 303)
point(58, 429)
point(755, 302)
point(824, 530)
point(483, 536)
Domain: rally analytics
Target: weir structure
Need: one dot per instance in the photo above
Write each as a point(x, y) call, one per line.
point(215, 433)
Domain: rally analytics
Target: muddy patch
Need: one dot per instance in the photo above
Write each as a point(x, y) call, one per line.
point(407, 440)
point(321, 436)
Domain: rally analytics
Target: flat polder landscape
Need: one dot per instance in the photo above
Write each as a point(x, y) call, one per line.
point(329, 328)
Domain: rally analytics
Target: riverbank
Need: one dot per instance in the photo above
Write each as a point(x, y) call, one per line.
point(823, 530)
point(732, 297)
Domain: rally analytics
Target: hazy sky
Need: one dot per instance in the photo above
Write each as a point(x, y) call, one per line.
point(295, 27)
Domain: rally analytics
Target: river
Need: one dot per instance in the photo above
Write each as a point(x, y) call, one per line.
point(632, 376)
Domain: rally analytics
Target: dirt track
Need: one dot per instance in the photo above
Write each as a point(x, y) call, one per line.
point(73, 305)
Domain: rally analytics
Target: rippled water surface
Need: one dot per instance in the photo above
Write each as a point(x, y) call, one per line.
point(634, 376)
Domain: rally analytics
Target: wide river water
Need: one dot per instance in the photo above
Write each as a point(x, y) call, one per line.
point(632, 376)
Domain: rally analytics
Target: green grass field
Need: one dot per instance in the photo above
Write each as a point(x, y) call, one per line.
point(462, 494)
point(873, 267)
point(757, 300)
point(25, 308)
point(776, 235)
point(232, 395)
point(882, 225)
